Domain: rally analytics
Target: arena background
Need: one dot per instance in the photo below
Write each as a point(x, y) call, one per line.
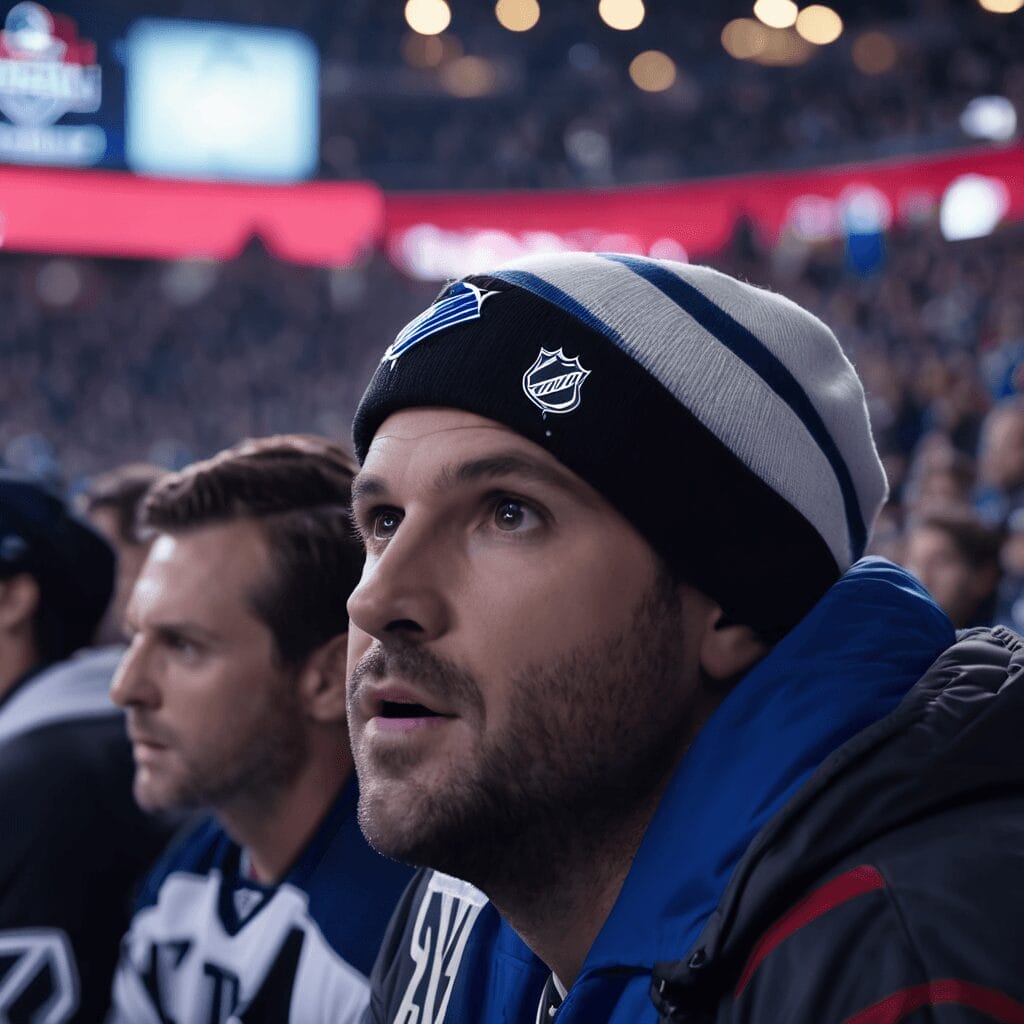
point(214, 216)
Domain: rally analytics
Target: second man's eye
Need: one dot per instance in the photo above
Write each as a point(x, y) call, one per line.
point(385, 523)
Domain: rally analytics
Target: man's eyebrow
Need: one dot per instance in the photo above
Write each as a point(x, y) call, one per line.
point(503, 464)
point(190, 630)
point(367, 486)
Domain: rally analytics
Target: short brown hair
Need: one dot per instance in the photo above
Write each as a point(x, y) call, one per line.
point(121, 490)
point(297, 487)
point(976, 542)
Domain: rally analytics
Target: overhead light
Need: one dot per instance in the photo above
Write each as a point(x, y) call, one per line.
point(428, 17)
point(990, 117)
point(776, 13)
point(652, 71)
point(874, 53)
point(1001, 6)
point(972, 207)
point(469, 77)
point(624, 15)
point(744, 38)
point(517, 15)
point(819, 24)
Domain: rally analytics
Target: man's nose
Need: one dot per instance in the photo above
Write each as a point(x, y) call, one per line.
point(132, 684)
point(403, 590)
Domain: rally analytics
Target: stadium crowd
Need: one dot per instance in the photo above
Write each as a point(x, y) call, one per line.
point(115, 361)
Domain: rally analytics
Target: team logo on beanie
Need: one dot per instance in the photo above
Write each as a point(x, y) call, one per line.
point(554, 381)
point(462, 303)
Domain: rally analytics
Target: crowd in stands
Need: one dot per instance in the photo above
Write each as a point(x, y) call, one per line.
point(555, 107)
point(109, 362)
point(563, 111)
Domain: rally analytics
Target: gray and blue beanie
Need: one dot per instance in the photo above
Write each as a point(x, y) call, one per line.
point(722, 420)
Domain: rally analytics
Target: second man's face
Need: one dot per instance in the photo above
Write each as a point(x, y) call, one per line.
point(212, 716)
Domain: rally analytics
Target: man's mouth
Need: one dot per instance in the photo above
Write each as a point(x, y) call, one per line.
point(401, 709)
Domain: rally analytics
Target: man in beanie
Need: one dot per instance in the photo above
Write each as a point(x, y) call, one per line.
point(667, 749)
point(74, 844)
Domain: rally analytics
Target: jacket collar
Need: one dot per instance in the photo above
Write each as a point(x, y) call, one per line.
point(848, 664)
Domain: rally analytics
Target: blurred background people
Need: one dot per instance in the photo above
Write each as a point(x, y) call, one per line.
point(111, 502)
point(234, 684)
point(1001, 461)
point(956, 556)
point(75, 844)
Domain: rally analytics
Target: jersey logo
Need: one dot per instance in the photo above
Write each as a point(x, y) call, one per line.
point(554, 381)
point(38, 978)
point(444, 920)
point(463, 303)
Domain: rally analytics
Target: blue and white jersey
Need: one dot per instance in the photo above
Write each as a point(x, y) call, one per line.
point(209, 944)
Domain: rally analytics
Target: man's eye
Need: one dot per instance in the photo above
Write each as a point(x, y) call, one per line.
point(511, 515)
point(182, 645)
point(385, 523)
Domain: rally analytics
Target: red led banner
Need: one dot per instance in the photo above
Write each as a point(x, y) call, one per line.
point(108, 214)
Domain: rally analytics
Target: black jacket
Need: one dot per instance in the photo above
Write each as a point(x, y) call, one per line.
point(892, 886)
point(74, 844)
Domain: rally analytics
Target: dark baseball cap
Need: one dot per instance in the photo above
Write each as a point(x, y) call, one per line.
point(73, 565)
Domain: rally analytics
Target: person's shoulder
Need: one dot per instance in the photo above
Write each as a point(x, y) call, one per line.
point(896, 921)
point(199, 848)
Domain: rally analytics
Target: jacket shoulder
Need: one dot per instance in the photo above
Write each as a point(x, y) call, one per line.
point(922, 917)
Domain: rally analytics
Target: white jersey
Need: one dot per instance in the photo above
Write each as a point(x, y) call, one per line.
point(208, 945)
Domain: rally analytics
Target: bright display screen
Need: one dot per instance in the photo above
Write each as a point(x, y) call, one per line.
point(221, 102)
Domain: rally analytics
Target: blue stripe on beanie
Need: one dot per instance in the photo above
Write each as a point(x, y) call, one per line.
point(746, 346)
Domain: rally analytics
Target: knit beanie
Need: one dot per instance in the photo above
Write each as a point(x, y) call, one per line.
point(721, 420)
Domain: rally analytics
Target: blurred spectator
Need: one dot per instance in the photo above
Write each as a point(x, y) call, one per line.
point(111, 502)
point(75, 844)
point(1010, 605)
point(1001, 461)
point(956, 557)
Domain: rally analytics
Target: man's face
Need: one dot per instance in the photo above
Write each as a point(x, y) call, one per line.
point(516, 655)
point(1002, 450)
point(212, 717)
point(933, 557)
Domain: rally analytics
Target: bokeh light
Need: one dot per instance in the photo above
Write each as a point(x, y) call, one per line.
point(428, 17)
point(1001, 6)
point(469, 77)
point(744, 38)
point(874, 53)
point(652, 71)
point(622, 14)
point(819, 24)
point(784, 49)
point(776, 13)
point(517, 15)
point(423, 51)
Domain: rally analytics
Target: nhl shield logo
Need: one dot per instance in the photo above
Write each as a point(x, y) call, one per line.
point(554, 381)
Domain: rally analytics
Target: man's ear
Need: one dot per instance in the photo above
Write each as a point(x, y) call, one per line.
point(728, 649)
point(19, 599)
point(322, 681)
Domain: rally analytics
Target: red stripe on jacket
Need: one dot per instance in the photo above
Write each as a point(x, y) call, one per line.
point(997, 1005)
point(827, 897)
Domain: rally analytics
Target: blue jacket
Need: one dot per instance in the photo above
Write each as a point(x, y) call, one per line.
point(450, 957)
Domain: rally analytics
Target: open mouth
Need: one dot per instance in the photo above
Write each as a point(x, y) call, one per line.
point(399, 709)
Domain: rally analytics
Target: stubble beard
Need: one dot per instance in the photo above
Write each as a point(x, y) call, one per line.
point(248, 771)
point(592, 739)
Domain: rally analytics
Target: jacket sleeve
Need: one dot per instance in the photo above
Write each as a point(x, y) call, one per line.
point(877, 946)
